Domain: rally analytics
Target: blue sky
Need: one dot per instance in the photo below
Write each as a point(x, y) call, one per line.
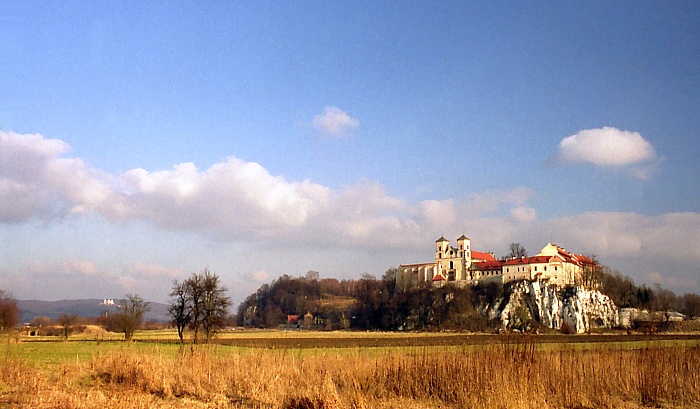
point(142, 142)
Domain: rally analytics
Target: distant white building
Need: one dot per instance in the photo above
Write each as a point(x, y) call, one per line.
point(107, 301)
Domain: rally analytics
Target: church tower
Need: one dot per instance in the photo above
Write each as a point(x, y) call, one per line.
point(464, 248)
point(441, 245)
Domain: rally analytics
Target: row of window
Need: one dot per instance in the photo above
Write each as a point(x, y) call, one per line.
point(459, 254)
point(524, 270)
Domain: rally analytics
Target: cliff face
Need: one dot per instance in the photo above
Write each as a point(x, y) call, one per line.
point(576, 308)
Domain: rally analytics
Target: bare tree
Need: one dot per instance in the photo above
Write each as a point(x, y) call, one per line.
point(40, 323)
point(66, 321)
point(196, 289)
point(312, 275)
point(592, 273)
point(214, 303)
point(9, 312)
point(665, 301)
point(516, 250)
point(180, 307)
point(130, 315)
point(691, 305)
point(200, 302)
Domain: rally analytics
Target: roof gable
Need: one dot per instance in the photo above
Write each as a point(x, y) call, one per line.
point(483, 256)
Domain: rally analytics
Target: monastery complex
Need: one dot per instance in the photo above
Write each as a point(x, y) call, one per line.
point(461, 266)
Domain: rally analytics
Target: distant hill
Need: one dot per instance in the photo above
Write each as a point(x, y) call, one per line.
point(84, 308)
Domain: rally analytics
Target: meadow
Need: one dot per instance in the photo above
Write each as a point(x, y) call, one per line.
point(262, 369)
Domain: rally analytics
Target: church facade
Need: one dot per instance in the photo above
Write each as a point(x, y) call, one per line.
point(461, 266)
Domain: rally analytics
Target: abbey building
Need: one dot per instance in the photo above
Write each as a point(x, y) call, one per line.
point(461, 265)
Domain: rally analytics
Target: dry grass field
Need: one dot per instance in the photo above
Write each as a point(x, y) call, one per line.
point(506, 372)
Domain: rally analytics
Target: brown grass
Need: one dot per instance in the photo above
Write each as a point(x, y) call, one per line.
point(505, 375)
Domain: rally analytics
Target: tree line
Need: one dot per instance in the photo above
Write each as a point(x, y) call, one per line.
point(369, 303)
point(199, 304)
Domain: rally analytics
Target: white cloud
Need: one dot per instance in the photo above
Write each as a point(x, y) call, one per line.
point(78, 278)
point(334, 122)
point(234, 198)
point(440, 214)
point(610, 147)
point(71, 267)
point(523, 214)
point(259, 276)
point(630, 235)
point(491, 201)
point(35, 181)
point(154, 271)
point(654, 277)
point(241, 201)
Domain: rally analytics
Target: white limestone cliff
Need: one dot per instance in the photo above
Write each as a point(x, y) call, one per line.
point(553, 307)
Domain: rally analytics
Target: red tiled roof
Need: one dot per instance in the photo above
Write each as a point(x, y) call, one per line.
point(575, 258)
point(438, 277)
point(488, 265)
point(527, 260)
point(585, 260)
point(482, 256)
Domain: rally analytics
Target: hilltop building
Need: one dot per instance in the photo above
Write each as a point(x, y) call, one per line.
point(463, 266)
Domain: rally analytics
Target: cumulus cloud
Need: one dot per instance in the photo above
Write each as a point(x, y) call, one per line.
point(70, 267)
point(334, 122)
point(437, 213)
point(610, 147)
point(671, 281)
point(36, 181)
point(491, 201)
point(78, 278)
point(630, 235)
point(234, 198)
point(523, 214)
point(154, 271)
point(242, 201)
point(450, 216)
point(259, 276)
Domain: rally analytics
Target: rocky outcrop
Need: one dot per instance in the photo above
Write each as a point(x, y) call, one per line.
point(575, 308)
